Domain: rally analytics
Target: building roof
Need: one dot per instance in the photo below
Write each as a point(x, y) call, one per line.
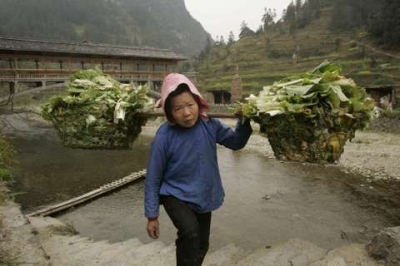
point(21, 45)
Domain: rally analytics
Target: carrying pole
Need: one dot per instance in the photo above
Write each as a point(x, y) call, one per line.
point(214, 115)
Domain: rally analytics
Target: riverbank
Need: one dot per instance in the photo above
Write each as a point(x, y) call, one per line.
point(19, 243)
point(372, 154)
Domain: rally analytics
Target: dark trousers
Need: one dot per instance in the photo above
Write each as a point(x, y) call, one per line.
point(193, 231)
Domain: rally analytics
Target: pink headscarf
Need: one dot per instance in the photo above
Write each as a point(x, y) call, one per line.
point(171, 82)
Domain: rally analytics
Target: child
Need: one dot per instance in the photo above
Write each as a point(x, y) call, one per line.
point(182, 171)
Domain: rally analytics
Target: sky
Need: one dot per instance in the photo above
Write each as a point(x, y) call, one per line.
point(220, 17)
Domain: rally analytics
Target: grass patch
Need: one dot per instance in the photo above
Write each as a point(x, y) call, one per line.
point(67, 230)
point(7, 260)
point(6, 159)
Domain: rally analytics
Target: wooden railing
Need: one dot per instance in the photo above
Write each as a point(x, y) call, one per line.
point(25, 75)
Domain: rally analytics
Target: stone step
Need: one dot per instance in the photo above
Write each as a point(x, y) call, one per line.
point(146, 250)
point(225, 256)
point(164, 257)
point(293, 252)
point(140, 256)
point(17, 240)
point(73, 250)
point(348, 255)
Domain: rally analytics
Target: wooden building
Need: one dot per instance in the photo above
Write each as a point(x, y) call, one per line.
point(227, 97)
point(44, 62)
point(377, 92)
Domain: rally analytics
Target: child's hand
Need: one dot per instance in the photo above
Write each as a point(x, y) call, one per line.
point(242, 118)
point(153, 228)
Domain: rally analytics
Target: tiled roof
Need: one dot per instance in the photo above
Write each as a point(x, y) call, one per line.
point(14, 45)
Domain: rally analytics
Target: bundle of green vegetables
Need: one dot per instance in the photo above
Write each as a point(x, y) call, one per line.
point(98, 112)
point(310, 117)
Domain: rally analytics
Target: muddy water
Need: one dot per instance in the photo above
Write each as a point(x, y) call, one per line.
point(267, 201)
point(47, 172)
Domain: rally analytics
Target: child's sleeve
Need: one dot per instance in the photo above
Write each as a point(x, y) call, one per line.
point(234, 139)
point(155, 169)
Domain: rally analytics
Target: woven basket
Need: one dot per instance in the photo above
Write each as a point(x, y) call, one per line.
point(74, 133)
point(296, 138)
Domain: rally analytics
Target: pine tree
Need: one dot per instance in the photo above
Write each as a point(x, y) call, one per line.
point(268, 18)
point(386, 24)
point(231, 38)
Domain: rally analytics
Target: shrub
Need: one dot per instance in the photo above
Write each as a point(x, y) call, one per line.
point(6, 156)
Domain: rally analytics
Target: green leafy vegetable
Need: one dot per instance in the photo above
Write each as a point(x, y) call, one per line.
point(97, 111)
point(309, 117)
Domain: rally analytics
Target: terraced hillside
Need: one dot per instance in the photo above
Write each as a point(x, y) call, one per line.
point(266, 57)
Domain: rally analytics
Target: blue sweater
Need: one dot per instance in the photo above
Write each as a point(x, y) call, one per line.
point(183, 163)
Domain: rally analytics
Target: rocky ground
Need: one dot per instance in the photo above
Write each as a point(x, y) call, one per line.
point(373, 155)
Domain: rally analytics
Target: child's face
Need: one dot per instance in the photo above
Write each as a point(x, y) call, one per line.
point(184, 109)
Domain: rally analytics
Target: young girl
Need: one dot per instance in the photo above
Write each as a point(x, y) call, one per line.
point(182, 171)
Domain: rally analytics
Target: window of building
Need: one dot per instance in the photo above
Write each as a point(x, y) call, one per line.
point(142, 66)
point(91, 65)
point(49, 64)
point(6, 63)
point(128, 66)
point(75, 65)
point(158, 68)
point(112, 67)
point(172, 68)
point(26, 63)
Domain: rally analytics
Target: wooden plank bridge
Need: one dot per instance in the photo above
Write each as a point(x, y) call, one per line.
point(56, 208)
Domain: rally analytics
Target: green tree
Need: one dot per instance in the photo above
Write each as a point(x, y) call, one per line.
point(353, 14)
point(207, 49)
point(341, 16)
point(245, 30)
point(222, 41)
point(315, 7)
point(298, 5)
point(231, 38)
point(385, 26)
point(290, 18)
point(268, 18)
point(243, 25)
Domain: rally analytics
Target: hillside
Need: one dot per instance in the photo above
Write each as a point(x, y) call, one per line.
point(154, 23)
point(267, 57)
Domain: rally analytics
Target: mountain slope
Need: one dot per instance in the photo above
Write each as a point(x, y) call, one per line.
point(265, 57)
point(155, 23)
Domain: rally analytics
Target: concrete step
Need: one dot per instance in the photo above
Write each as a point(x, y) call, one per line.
point(117, 258)
point(164, 257)
point(73, 250)
point(348, 255)
point(226, 256)
point(145, 251)
point(293, 252)
point(17, 240)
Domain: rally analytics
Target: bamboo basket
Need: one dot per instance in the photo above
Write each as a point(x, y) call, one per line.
point(294, 137)
point(105, 134)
